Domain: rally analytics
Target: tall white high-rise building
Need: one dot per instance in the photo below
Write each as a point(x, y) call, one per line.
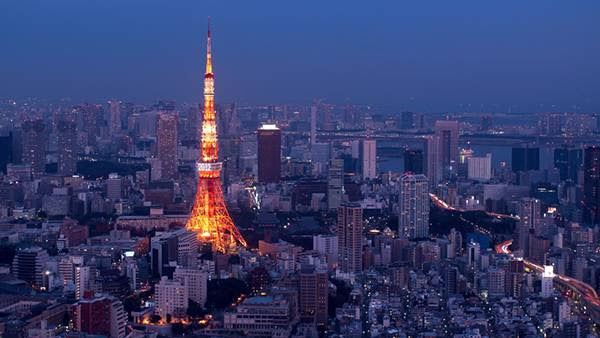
point(368, 159)
point(171, 298)
point(335, 183)
point(413, 206)
point(480, 168)
point(547, 281)
point(195, 280)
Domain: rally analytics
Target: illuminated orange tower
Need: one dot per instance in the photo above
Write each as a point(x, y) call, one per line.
point(209, 216)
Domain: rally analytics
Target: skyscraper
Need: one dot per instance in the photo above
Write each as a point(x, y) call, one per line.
point(313, 123)
point(114, 118)
point(349, 232)
point(209, 217)
point(67, 147)
point(335, 183)
point(368, 159)
point(451, 281)
point(447, 132)
point(591, 185)
point(433, 167)
point(6, 151)
point(525, 158)
point(89, 115)
point(529, 210)
point(34, 145)
point(568, 161)
point(269, 153)
point(413, 161)
point(473, 255)
point(514, 278)
point(413, 216)
point(166, 144)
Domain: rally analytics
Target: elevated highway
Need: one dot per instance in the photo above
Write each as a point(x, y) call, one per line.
point(585, 292)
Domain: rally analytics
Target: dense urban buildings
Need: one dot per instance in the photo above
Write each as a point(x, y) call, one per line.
point(309, 219)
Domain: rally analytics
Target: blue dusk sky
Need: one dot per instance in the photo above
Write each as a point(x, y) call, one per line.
point(533, 55)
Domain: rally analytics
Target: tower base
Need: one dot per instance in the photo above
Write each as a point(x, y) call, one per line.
point(210, 218)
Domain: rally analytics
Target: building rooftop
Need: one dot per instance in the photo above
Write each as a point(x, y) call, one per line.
point(259, 300)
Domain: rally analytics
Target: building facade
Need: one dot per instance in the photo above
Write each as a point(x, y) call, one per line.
point(413, 219)
point(269, 153)
point(349, 232)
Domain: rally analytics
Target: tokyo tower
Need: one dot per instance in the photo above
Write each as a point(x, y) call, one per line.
point(209, 216)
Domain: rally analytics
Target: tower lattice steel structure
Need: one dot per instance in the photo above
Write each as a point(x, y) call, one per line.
point(209, 216)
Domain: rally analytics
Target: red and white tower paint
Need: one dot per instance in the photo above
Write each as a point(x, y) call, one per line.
point(209, 216)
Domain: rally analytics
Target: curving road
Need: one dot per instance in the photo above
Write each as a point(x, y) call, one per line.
point(441, 204)
point(584, 290)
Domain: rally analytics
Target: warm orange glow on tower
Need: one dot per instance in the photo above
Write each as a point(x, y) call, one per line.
point(209, 216)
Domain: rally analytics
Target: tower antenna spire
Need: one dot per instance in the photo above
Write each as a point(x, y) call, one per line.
point(208, 51)
point(209, 217)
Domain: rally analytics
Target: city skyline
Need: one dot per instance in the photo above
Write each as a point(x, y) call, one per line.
point(466, 57)
point(132, 217)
